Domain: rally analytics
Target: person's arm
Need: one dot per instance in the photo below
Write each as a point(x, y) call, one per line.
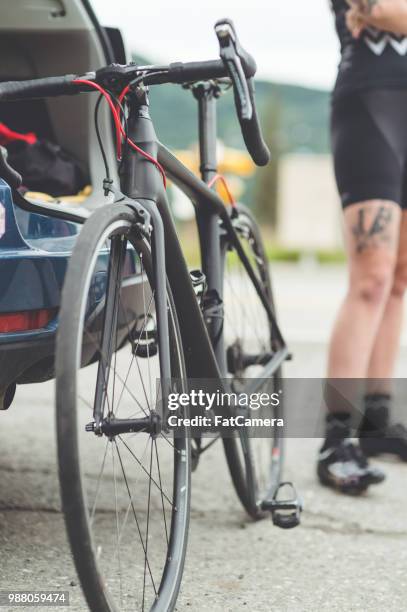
point(388, 15)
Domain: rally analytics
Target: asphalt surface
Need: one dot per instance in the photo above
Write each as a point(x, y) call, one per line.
point(349, 553)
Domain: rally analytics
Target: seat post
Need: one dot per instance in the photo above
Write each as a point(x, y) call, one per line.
point(206, 93)
point(208, 222)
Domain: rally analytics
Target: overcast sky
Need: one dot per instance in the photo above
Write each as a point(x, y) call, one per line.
point(292, 40)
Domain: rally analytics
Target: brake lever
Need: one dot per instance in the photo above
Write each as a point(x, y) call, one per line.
point(230, 57)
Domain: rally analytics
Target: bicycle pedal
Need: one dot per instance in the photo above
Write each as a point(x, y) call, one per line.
point(285, 513)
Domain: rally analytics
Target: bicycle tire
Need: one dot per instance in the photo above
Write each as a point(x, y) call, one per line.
point(239, 450)
point(114, 221)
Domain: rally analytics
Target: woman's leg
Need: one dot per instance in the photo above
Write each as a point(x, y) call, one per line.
point(383, 357)
point(368, 147)
point(377, 434)
point(371, 238)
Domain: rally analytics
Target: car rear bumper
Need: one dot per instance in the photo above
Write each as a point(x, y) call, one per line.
point(27, 357)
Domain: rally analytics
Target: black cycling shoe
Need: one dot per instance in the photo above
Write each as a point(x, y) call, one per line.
point(376, 435)
point(344, 467)
point(392, 440)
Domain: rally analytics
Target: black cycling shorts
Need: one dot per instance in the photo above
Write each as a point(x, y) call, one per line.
point(369, 143)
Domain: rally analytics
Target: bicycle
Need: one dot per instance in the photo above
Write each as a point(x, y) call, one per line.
point(135, 325)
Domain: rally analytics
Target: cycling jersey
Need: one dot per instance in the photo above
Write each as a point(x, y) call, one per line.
point(377, 59)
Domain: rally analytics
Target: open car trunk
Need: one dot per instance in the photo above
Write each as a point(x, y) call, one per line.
point(41, 38)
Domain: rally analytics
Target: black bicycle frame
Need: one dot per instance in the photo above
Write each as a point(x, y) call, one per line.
point(202, 341)
point(143, 187)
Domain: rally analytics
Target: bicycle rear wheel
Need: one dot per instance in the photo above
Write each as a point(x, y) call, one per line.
point(255, 463)
point(125, 488)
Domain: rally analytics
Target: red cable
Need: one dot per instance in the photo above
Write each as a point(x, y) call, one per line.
point(219, 177)
point(118, 108)
point(123, 93)
point(120, 129)
point(116, 119)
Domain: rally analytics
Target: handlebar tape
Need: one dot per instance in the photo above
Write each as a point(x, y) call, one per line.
point(38, 88)
point(192, 71)
point(180, 72)
point(252, 134)
point(242, 67)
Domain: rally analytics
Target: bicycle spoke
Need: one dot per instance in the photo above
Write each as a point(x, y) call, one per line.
point(117, 525)
point(144, 470)
point(88, 404)
point(122, 381)
point(135, 517)
point(148, 524)
point(249, 319)
point(92, 514)
point(124, 522)
point(248, 335)
point(134, 350)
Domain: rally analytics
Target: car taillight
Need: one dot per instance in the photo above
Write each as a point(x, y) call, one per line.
point(25, 321)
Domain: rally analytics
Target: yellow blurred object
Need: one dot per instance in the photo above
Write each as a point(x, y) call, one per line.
point(189, 158)
point(236, 162)
point(71, 199)
point(231, 162)
point(38, 195)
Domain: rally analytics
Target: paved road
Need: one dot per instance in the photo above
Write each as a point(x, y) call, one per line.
point(349, 554)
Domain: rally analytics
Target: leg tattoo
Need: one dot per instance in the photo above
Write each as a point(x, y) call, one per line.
point(375, 235)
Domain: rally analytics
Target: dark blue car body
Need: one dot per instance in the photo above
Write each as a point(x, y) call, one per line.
point(34, 252)
point(34, 255)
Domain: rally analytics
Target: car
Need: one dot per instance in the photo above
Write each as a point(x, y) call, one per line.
point(43, 39)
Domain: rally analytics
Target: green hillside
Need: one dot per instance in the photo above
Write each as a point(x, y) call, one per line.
point(294, 119)
point(303, 116)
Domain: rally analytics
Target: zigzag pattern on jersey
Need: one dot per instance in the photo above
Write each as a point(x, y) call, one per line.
point(377, 41)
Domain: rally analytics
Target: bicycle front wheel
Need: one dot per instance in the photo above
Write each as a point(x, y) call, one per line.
point(255, 459)
point(125, 482)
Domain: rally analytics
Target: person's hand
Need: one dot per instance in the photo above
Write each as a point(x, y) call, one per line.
point(355, 19)
point(387, 15)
